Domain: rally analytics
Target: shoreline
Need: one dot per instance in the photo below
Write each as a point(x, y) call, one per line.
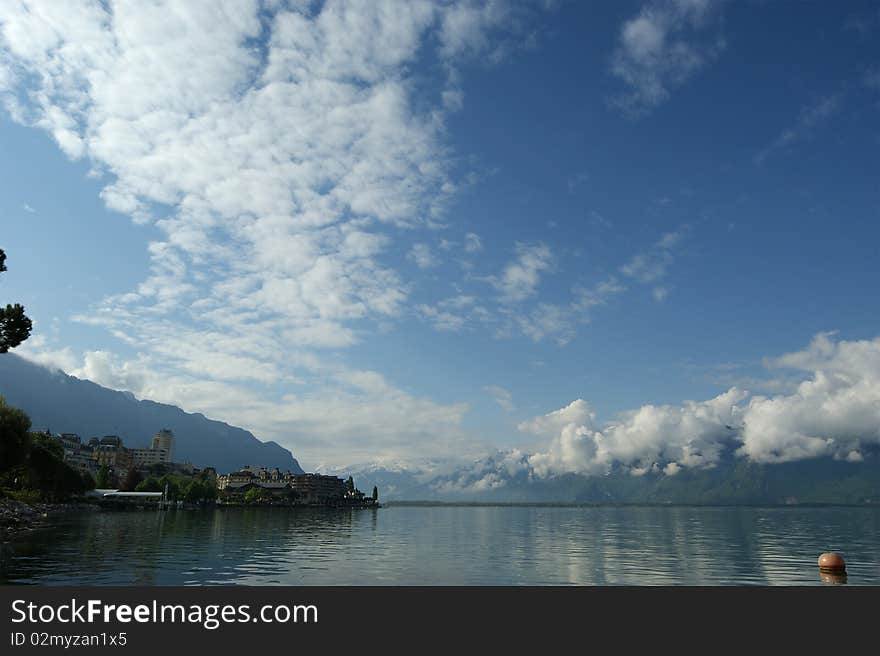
point(17, 517)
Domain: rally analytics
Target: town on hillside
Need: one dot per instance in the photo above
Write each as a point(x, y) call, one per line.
point(138, 476)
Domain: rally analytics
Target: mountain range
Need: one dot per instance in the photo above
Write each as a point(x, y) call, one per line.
point(65, 404)
point(735, 480)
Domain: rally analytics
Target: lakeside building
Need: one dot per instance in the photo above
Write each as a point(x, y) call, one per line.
point(109, 451)
point(312, 489)
point(145, 457)
point(164, 441)
point(78, 455)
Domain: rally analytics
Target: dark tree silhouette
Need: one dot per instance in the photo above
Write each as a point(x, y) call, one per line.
point(14, 436)
point(375, 493)
point(132, 479)
point(15, 327)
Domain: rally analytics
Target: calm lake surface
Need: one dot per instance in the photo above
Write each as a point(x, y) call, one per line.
point(402, 545)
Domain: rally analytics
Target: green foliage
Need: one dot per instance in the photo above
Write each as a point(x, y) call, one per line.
point(49, 443)
point(150, 484)
point(197, 490)
point(15, 327)
point(375, 493)
point(256, 495)
point(49, 474)
point(102, 479)
point(33, 463)
point(173, 483)
point(158, 469)
point(191, 490)
point(349, 484)
point(14, 438)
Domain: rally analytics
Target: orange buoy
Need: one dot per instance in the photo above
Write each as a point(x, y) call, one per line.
point(832, 562)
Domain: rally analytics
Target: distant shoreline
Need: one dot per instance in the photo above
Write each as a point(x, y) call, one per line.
point(564, 504)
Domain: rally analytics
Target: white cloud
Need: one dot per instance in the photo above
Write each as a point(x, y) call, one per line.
point(810, 117)
point(834, 412)
point(489, 473)
point(28, 208)
point(651, 265)
point(691, 435)
point(547, 320)
point(577, 412)
point(422, 256)
point(661, 48)
point(502, 397)
point(442, 320)
point(37, 349)
point(472, 243)
point(660, 293)
point(275, 149)
point(520, 278)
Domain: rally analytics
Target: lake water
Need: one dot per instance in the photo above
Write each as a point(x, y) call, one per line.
point(401, 545)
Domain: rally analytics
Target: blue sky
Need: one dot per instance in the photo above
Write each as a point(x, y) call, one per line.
point(389, 232)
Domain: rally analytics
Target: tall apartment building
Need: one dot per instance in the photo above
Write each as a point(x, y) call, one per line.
point(164, 440)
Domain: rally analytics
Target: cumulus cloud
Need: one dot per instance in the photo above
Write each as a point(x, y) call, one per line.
point(661, 48)
point(549, 425)
point(835, 411)
point(491, 472)
point(691, 435)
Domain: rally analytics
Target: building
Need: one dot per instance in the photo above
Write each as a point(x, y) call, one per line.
point(145, 457)
point(306, 488)
point(109, 451)
point(79, 456)
point(317, 488)
point(164, 440)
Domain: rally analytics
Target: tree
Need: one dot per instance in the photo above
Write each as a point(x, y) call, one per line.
point(132, 480)
point(349, 484)
point(173, 486)
point(14, 437)
point(102, 479)
point(149, 485)
point(256, 495)
point(15, 327)
point(375, 493)
point(87, 481)
point(34, 462)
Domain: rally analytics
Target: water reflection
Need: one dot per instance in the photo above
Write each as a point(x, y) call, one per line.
point(831, 578)
point(449, 545)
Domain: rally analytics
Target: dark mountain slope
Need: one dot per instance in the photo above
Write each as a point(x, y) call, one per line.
point(67, 404)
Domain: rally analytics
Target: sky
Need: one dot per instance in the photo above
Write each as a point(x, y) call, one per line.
point(575, 232)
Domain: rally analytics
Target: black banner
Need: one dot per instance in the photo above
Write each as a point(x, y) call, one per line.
point(244, 620)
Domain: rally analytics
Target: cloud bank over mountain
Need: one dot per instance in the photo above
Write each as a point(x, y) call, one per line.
point(834, 412)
